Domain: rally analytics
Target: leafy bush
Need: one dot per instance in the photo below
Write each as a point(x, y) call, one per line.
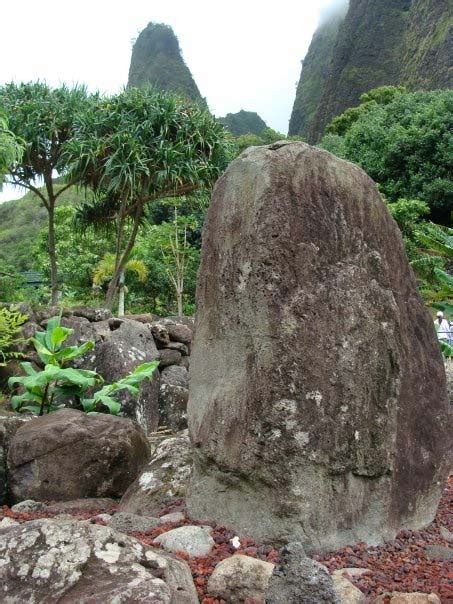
point(10, 323)
point(46, 390)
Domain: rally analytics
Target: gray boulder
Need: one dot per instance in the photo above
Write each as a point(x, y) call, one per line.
point(67, 455)
point(66, 561)
point(128, 523)
point(165, 477)
point(318, 407)
point(123, 347)
point(195, 541)
point(240, 577)
point(297, 578)
point(9, 424)
point(173, 397)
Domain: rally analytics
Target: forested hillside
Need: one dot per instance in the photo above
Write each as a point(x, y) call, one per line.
point(379, 42)
point(243, 122)
point(20, 222)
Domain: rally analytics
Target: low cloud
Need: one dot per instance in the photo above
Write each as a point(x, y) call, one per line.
point(336, 8)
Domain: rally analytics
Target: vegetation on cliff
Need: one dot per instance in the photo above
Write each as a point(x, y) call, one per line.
point(377, 43)
point(157, 61)
point(243, 122)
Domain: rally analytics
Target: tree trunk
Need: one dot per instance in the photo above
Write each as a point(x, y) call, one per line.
point(121, 295)
point(124, 258)
point(53, 255)
point(179, 300)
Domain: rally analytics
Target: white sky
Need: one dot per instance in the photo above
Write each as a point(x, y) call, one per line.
point(243, 54)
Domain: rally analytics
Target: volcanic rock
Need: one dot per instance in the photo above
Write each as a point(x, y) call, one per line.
point(318, 408)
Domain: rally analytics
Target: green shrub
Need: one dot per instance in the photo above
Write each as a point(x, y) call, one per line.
point(46, 390)
point(10, 323)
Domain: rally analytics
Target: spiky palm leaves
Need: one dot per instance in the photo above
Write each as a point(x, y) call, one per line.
point(139, 146)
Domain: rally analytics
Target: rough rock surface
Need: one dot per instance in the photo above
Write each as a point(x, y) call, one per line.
point(128, 523)
point(126, 345)
point(297, 578)
point(67, 561)
point(347, 592)
point(408, 598)
point(9, 423)
point(173, 397)
point(310, 418)
point(163, 478)
point(195, 541)
point(68, 454)
point(240, 577)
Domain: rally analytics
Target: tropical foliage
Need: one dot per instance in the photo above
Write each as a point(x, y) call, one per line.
point(403, 141)
point(11, 320)
point(48, 389)
point(136, 148)
point(43, 118)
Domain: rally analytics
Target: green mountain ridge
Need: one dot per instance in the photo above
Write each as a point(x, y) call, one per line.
point(157, 60)
point(376, 43)
point(243, 122)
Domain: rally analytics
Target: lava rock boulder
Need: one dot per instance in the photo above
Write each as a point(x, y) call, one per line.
point(317, 403)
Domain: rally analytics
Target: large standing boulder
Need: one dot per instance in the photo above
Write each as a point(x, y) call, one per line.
point(317, 408)
point(67, 561)
point(68, 454)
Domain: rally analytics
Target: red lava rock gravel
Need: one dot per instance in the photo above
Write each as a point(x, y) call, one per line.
point(400, 565)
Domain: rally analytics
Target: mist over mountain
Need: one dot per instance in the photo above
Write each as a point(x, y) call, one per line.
point(372, 43)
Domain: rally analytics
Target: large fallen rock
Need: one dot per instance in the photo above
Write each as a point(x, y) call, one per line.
point(68, 454)
point(318, 407)
point(165, 477)
point(67, 561)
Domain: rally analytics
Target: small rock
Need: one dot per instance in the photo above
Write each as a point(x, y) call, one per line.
point(179, 333)
point(160, 335)
point(169, 357)
point(175, 375)
point(104, 517)
point(408, 598)
point(183, 349)
point(132, 523)
point(240, 577)
point(29, 505)
point(194, 541)
point(173, 517)
point(348, 593)
point(86, 504)
point(446, 534)
point(7, 522)
point(298, 578)
point(439, 552)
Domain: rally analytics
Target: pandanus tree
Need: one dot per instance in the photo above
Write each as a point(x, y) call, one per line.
point(138, 147)
point(10, 148)
point(42, 118)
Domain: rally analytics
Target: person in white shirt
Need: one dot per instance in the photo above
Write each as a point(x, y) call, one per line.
point(442, 327)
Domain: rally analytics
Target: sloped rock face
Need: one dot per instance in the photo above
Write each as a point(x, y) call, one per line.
point(67, 455)
point(317, 407)
point(165, 477)
point(67, 561)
